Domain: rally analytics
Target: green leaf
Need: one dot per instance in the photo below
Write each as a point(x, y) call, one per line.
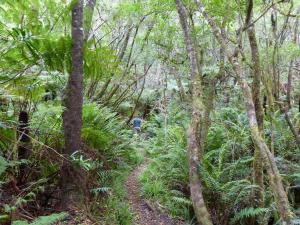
point(3, 165)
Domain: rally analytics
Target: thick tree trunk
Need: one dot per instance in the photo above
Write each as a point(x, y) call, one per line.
point(194, 147)
point(72, 116)
point(268, 158)
point(256, 95)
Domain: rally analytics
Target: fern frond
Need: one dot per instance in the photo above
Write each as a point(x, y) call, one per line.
point(44, 220)
point(248, 213)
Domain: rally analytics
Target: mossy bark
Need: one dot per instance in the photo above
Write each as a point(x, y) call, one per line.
point(273, 172)
point(256, 95)
point(194, 134)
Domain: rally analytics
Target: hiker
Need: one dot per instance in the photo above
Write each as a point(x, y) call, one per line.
point(137, 122)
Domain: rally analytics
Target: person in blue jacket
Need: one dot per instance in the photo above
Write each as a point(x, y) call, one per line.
point(137, 122)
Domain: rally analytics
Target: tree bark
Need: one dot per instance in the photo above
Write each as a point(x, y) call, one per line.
point(256, 95)
point(194, 147)
point(273, 172)
point(72, 116)
point(289, 85)
point(23, 147)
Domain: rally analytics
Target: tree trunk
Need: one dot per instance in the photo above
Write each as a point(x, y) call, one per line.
point(291, 125)
point(256, 94)
point(209, 106)
point(88, 19)
point(103, 89)
point(289, 85)
point(194, 147)
point(273, 172)
point(72, 116)
point(23, 147)
point(182, 94)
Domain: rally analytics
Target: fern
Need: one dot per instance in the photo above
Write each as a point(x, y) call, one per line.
point(181, 200)
point(44, 220)
point(248, 213)
point(101, 190)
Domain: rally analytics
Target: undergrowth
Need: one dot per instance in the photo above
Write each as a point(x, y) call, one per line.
point(108, 152)
point(226, 169)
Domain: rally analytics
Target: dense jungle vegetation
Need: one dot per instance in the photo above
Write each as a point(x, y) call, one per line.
point(214, 84)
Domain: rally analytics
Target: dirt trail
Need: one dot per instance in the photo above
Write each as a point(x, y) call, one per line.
point(145, 215)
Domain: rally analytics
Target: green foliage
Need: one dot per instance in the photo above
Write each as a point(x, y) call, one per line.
point(3, 165)
point(247, 213)
point(35, 49)
point(225, 171)
point(100, 126)
point(86, 164)
point(46, 122)
point(118, 211)
point(101, 63)
point(166, 177)
point(44, 220)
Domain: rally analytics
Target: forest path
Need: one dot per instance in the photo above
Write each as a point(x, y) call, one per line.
point(144, 213)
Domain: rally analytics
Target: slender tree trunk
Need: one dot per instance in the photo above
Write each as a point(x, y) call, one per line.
point(256, 95)
point(103, 89)
point(23, 147)
point(209, 106)
point(121, 56)
point(72, 116)
point(139, 96)
point(112, 92)
point(194, 147)
point(179, 84)
point(273, 172)
point(88, 19)
point(122, 96)
point(289, 85)
point(291, 126)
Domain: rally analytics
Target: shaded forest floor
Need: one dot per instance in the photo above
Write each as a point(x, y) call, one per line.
point(145, 214)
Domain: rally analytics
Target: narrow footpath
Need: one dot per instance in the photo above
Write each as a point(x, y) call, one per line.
point(144, 213)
